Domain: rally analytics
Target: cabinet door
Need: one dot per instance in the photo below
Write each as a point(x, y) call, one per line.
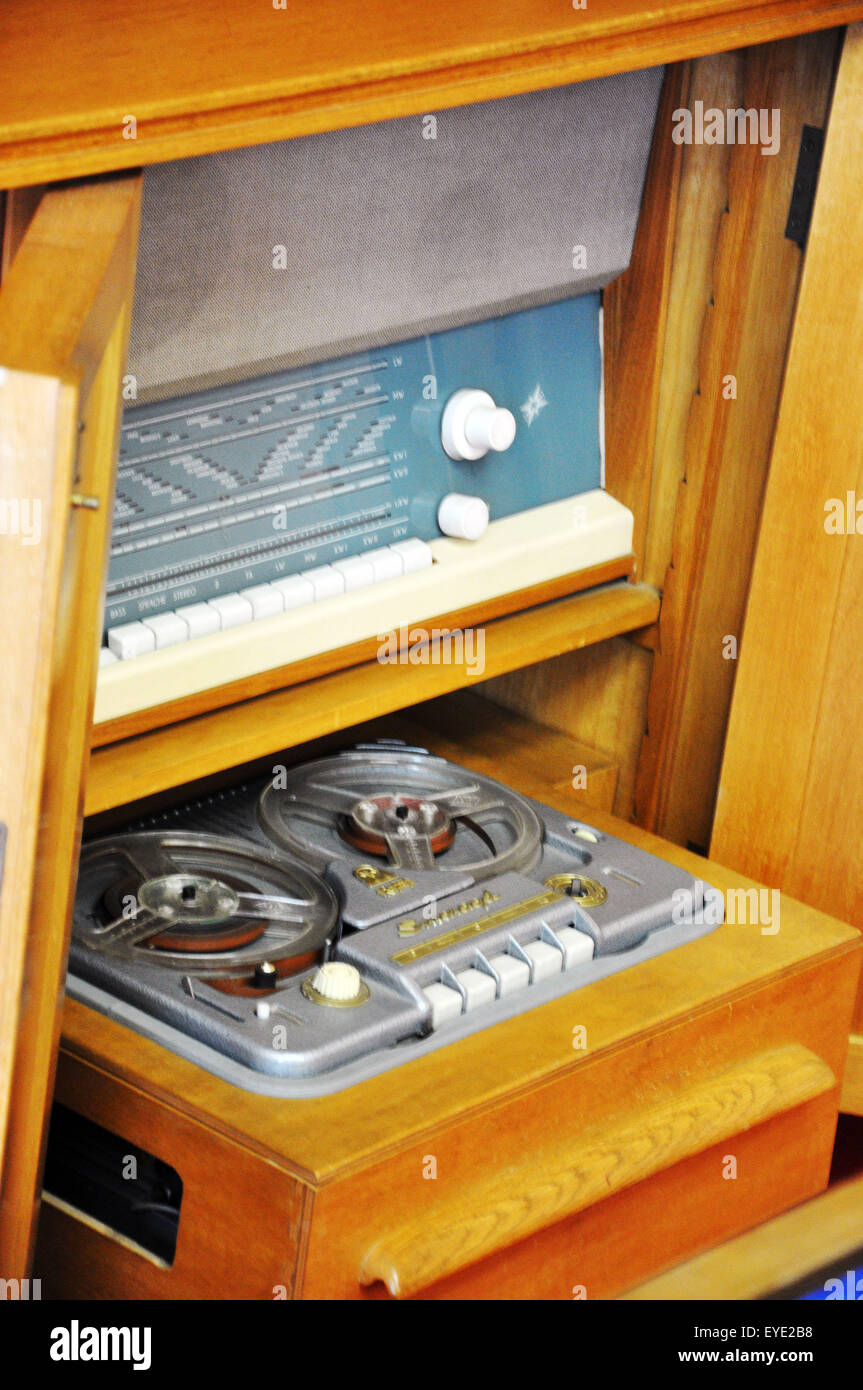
point(790, 808)
point(65, 303)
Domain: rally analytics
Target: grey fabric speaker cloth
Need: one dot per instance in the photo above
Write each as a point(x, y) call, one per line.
point(387, 234)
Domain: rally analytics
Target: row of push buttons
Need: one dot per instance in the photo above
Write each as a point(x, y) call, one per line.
point(496, 977)
point(265, 600)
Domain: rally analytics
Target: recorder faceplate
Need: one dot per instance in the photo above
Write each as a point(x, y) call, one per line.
point(298, 936)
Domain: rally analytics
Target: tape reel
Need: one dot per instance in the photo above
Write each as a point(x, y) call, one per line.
point(197, 902)
point(405, 807)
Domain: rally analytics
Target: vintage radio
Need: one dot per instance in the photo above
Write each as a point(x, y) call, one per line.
point(361, 1002)
point(395, 484)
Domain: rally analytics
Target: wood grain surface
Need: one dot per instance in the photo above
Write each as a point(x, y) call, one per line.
point(793, 1247)
point(236, 72)
point(492, 1212)
point(163, 758)
point(64, 317)
point(790, 805)
point(734, 283)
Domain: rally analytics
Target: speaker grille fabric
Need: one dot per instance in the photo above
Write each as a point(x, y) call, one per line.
point(387, 234)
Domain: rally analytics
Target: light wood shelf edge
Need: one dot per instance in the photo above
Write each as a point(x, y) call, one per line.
point(225, 738)
point(475, 615)
point(776, 1255)
point(290, 73)
point(851, 1100)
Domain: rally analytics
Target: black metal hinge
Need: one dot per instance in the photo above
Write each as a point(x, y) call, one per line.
point(805, 183)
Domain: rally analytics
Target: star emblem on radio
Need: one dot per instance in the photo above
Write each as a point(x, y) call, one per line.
point(535, 402)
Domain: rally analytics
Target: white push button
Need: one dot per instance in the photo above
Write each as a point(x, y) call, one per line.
point(233, 611)
point(168, 628)
point(357, 571)
point(445, 1003)
point(106, 657)
point(385, 564)
point(325, 581)
point(547, 960)
point(132, 639)
point(514, 973)
point(413, 553)
point(465, 518)
point(577, 946)
point(479, 988)
point(472, 424)
point(265, 600)
point(200, 619)
point(295, 591)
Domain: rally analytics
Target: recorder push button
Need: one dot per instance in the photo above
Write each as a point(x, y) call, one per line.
point(445, 1003)
point(479, 988)
point(577, 946)
point(545, 960)
point(514, 974)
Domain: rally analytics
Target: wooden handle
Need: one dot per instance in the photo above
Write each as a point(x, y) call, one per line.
point(497, 1212)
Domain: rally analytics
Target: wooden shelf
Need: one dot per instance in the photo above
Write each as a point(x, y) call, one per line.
point(792, 1249)
point(358, 653)
point(169, 757)
point(199, 78)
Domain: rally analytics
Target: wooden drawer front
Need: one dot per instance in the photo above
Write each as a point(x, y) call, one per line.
point(652, 1121)
point(654, 1225)
point(650, 1126)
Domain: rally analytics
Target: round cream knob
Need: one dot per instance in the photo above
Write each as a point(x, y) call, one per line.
point(336, 982)
point(472, 424)
point(463, 517)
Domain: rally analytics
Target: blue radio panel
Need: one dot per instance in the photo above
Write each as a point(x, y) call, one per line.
point(249, 483)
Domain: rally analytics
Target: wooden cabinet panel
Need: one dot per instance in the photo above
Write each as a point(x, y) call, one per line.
point(64, 314)
point(72, 82)
point(790, 810)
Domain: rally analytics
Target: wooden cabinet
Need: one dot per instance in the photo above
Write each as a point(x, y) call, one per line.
point(733, 1046)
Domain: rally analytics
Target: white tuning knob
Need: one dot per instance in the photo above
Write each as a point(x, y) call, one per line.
point(466, 518)
point(336, 982)
point(472, 424)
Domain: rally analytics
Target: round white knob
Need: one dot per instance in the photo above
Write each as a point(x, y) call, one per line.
point(463, 517)
point(472, 424)
point(338, 981)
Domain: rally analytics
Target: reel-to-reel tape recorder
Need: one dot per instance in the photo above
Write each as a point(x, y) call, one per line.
point(351, 913)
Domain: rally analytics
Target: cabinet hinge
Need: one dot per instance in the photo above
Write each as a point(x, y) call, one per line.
point(805, 183)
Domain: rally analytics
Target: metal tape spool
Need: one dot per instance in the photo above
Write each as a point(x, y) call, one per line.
point(413, 810)
point(199, 902)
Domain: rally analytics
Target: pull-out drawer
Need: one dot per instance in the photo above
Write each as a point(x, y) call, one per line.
point(569, 1152)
